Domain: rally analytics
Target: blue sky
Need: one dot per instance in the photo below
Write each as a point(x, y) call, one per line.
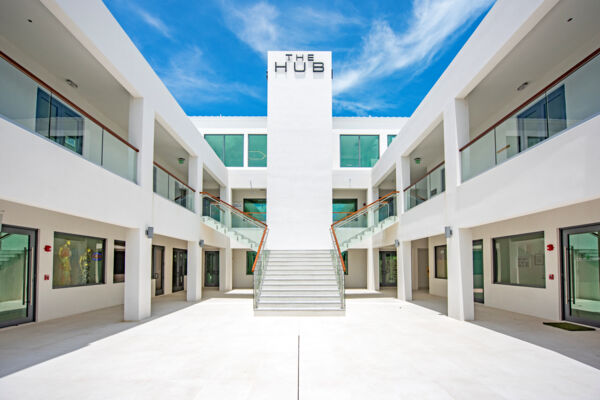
point(212, 54)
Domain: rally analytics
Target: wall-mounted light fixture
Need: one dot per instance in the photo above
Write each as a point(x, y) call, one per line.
point(201, 243)
point(447, 232)
point(397, 243)
point(181, 160)
point(150, 232)
point(71, 83)
point(522, 86)
point(417, 160)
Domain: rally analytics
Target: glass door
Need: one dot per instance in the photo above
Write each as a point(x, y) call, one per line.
point(211, 268)
point(158, 268)
point(581, 274)
point(388, 265)
point(17, 275)
point(179, 268)
point(478, 271)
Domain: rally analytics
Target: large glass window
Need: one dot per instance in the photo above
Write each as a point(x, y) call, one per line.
point(390, 138)
point(441, 262)
point(257, 150)
point(343, 207)
point(520, 260)
point(229, 148)
point(359, 150)
point(256, 208)
point(78, 260)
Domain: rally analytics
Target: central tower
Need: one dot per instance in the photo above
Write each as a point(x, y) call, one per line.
point(299, 124)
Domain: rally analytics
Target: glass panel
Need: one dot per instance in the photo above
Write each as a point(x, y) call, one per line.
point(257, 208)
point(390, 138)
point(519, 260)
point(234, 150)
point(478, 157)
point(250, 257)
point(66, 125)
point(349, 151)
point(345, 258)
point(441, 262)
point(78, 260)
point(257, 150)
point(582, 95)
point(119, 158)
point(161, 182)
point(388, 265)
point(119, 261)
point(420, 191)
point(478, 271)
point(14, 276)
point(584, 276)
point(211, 270)
point(92, 141)
point(343, 207)
point(217, 142)
point(369, 150)
point(19, 100)
point(436, 181)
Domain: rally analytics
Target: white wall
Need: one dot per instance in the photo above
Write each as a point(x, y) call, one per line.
point(357, 269)
point(240, 279)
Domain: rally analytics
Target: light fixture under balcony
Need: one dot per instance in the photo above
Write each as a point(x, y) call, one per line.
point(523, 86)
point(418, 160)
point(181, 160)
point(71, 83)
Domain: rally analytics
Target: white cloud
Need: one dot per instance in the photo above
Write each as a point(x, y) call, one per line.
point(361, 108)
point(153, 21)
point(384, 52)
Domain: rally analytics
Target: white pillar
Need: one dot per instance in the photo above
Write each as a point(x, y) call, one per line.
point(372, 260)
point(194, 277)
point(137, 297)
point(404, 271)
point(460, 275)
point(137, 275)
point(402, 181)
point(225, 270)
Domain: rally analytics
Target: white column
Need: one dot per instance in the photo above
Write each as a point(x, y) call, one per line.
point(226, 263)
point(194, 277)
point(404, 271)
point(460, 243)
point(372, 261)
point(137, 297)
point(460, 275)
point(402, 181)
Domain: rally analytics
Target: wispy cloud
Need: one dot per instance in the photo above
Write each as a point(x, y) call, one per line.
point(191, 80)
point(384, 52)
point(263, 27)
point(360, 108)
point(153, 21)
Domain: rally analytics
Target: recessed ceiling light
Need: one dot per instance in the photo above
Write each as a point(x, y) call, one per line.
point(523, 86)
point(570, 19)
point(29, 20)
point(71, 83)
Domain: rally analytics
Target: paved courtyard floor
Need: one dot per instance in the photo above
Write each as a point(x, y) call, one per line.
point(382, 348)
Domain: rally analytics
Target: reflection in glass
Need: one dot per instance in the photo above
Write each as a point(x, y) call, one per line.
point(343, 207)
point(14, 276)
point(520, 260)
point(583, 265)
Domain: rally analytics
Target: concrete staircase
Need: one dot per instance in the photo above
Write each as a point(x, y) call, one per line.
point(368, 232)
point(299, 280)
point(231, 233)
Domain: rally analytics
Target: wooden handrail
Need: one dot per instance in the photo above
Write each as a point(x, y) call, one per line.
point(365, 207)
point(425, 176)
point(63, 98)
point(174, 177)
point(530, 99)
point(262, 240)
point(235, 208)
point(337, 245)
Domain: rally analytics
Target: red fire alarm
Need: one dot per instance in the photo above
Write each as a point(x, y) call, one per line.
point(549, 247)
point(551, 277)
point(46, 277)
point(47, 248)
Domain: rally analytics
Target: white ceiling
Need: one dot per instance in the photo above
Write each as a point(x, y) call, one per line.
point(47, 42)
point(430, 151)
point(167, 152)
point(535, 60)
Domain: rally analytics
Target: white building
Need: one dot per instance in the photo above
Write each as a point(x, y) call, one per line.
point(488, 192)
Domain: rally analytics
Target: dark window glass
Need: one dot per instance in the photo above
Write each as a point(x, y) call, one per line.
point(345, 258)
point(359, 150)
point(119, 262)
point(66, 126)
point(441, 262)
point(250, 256)
point(257, 150)
point(78, 260)
point(256, 208)
point(520, 260)
point(343, 207)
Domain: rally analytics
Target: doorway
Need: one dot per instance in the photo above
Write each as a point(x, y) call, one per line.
point(17, 275)
point(478, 271)
point(211, 268)
point(179, 268)
point(388, 266)
point(581, 274)
point(158, 269)
point(423, 268)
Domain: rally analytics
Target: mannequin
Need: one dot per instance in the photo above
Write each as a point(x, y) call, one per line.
point(64, 255)
point(84, 265)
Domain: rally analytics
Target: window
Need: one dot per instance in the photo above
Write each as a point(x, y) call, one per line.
point(78, 260)
point(250, 256)
point(390, 138)
point(257, 150)
point(119, 262)
point(58, 122)
point(256, 208)
point(345, 258)
point(441, 262)
point(229, 148)
point(359, 150)
point(520, 260)
point(343, 207)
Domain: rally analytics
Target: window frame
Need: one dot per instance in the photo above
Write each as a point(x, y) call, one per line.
point(495, 265)
point(435, 261)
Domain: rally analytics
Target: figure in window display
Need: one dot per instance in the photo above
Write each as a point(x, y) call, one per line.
point(84, 265)
point(64, 256)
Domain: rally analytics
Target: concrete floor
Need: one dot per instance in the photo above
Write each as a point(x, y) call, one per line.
point(216, 349)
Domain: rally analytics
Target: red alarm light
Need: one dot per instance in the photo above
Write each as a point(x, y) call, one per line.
point(551, 276)
point(549, 247)
point(47, 248)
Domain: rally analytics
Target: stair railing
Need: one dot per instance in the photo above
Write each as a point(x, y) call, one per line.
point(340, 268)
point(258, 268)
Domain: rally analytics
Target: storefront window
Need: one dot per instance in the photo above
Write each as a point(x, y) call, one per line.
point(441, 262)
point(520, 260)
point(257, 150)
point(78, 260)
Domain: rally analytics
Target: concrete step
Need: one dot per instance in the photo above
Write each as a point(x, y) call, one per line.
point(299, 301)
point(305, 290)
point(296, 307)
point(298, 271)
point(297, 286)
point(301, 277)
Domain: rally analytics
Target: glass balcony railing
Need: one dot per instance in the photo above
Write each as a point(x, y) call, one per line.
point(169, 187)
point(565, 103)
point(425, 188)
point(28, 102)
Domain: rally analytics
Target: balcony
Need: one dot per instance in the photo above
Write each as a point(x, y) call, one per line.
point(428, 186)
point(27, 101)
point(568, 101)
point(170, 187)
